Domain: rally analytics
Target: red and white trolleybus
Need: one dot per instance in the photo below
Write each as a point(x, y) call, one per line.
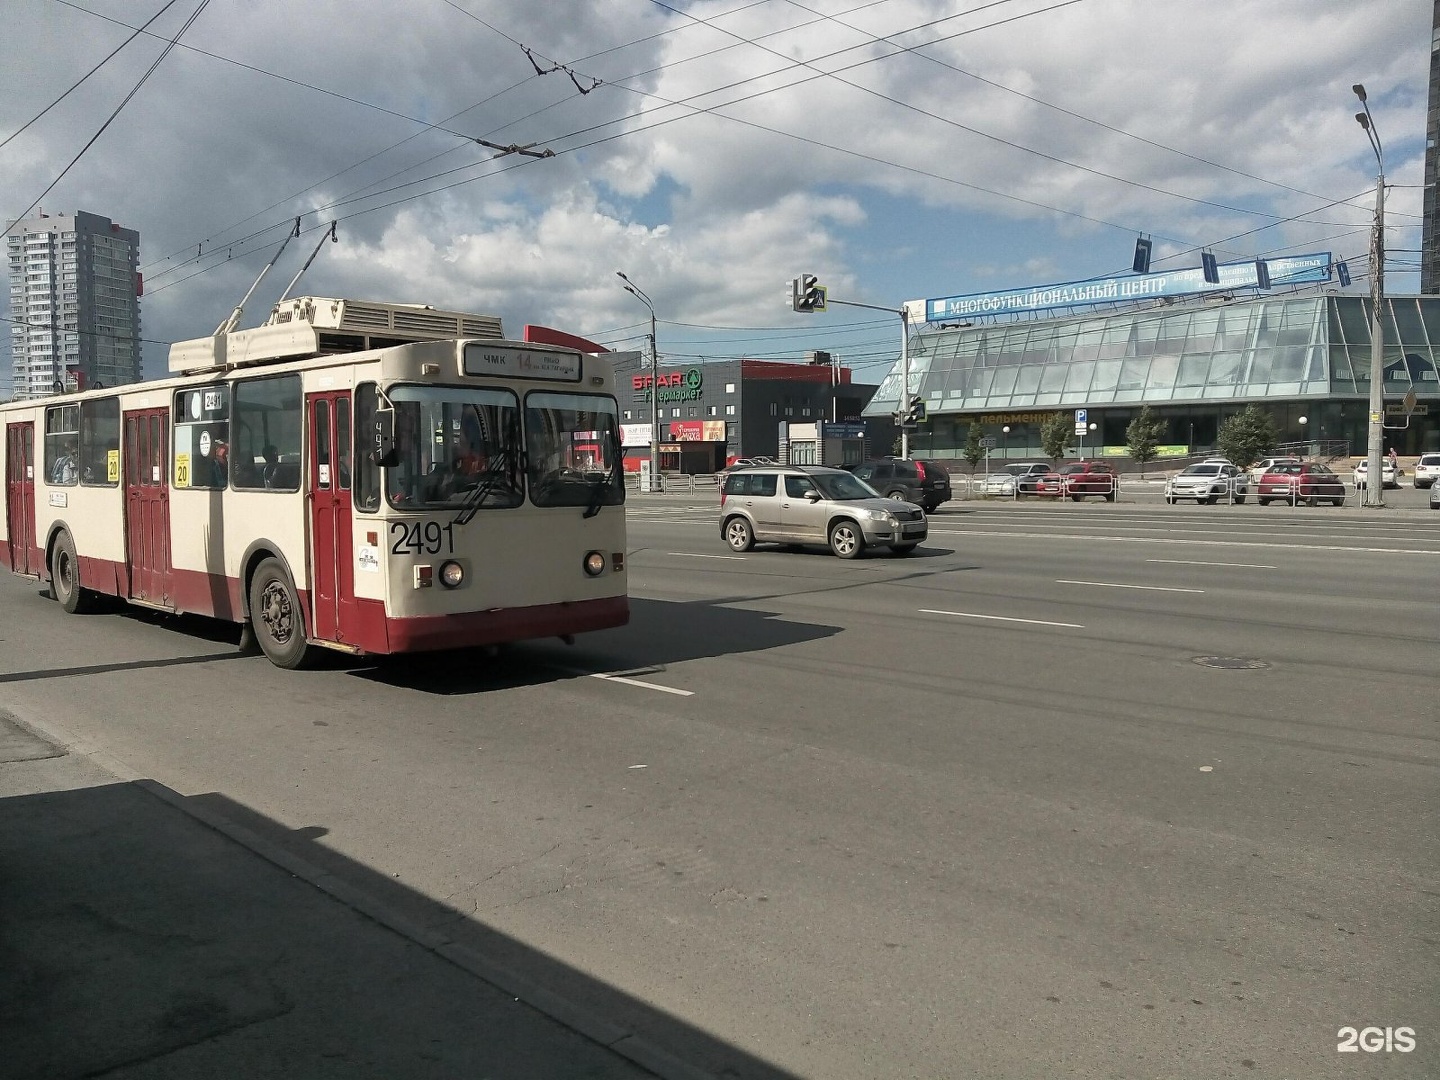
point(375, 478)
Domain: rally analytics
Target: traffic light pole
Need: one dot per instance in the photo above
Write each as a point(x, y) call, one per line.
point(904, 404)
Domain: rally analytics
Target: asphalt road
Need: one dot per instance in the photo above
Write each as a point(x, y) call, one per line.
point(1080, 790)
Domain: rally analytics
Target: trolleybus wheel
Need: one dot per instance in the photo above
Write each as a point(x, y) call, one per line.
point(276, 618)
point(65, 577)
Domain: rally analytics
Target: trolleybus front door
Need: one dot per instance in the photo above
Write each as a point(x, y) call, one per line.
point(332, 563)
point(20, 498)
point(147, 505)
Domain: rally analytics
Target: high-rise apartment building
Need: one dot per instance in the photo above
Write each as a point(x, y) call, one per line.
point(74, 303)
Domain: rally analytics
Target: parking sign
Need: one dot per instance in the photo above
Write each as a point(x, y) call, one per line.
point(1080, 422)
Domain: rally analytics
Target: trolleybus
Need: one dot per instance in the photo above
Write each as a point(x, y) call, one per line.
point(374, 478)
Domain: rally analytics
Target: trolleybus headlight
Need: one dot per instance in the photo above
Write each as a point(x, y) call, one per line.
point(452, 574)
point(594, 563)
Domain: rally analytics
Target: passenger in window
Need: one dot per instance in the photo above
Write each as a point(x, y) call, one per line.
point(271, 467)
point(404, 481)
point(66, 466)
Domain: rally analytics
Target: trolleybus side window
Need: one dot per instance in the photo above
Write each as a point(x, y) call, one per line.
point(573, 450)
point(202, 437)
point(62, 444)
point(265, 425)
point(100, 442)
point(458, 448)
point(367, 473)
point(342, 444)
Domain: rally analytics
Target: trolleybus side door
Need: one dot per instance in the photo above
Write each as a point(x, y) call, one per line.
point(332, 562)
point(20, 498)
point(147, 505)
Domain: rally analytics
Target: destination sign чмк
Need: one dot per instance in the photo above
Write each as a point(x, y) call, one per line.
point(507, 361)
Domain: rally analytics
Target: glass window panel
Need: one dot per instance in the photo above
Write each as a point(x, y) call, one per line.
point(1004, 381)
point(1299, 322)
point(367, 473)
point(1162, 372)
point(202, 437)
point(1028, 381)
point(1117, 339)
point(322, 444)
point(1174, 329)
point(1193, 370)
point(1147, 331)
point(100, 442)
point(342, 441)
point(1234, 332)
point(1431, 314)
point(1259, 366)
point(62, 445)
point(1078, 378)
point(1268, 328)
point(1132, 374)
point(1052, 378)
point(1225, 369)
point(1354, 313)
point(1409, 330)
point(266, 429)
point(1287, 364)
point(1342, 379)
point(1315, 363)
point(980, 383)
point(1107, 376)
point(1087, 344)
point(1204, 325)
point(1422, 370)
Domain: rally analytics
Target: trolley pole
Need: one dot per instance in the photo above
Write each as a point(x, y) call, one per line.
point(1374, 475)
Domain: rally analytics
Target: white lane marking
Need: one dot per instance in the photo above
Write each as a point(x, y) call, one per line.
point(1171, 540)
point(1193, 562)
point(608, 677)
point(1117, 585)
point(696, 555)
point(1001, 618)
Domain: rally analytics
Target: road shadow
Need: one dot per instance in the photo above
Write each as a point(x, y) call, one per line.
point(139, 940)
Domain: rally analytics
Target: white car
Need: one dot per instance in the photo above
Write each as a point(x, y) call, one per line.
point(1388, 474)
point(1207, 482)
point(1264, 465)
point(1427, 470)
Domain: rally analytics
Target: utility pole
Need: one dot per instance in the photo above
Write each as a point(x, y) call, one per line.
point(638, 293)
point(1374, 476)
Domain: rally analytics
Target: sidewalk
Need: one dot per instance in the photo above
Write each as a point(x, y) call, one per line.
point(139, 940)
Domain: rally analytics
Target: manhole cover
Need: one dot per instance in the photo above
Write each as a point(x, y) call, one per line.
point(1232, 663)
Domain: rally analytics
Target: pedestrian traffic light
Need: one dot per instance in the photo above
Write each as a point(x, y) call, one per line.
point(1211, 270)
point(1141, 265)
point(807, 294)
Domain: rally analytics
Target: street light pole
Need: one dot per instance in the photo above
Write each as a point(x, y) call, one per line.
point(905, 380)
point(1375, 492)
point(639, 294)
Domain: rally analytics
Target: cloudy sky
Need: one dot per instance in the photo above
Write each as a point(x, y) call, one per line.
point(899, 149)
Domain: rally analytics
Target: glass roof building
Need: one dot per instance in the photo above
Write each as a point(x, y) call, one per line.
point(1306, 357)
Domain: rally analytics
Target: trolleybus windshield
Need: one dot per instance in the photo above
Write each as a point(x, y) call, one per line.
point(573, 450)
point(452, 441)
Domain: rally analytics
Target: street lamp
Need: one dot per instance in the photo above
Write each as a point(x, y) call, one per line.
point(1093, 427)
point(1306, 448)
point(1375, 493)
point(639, 294)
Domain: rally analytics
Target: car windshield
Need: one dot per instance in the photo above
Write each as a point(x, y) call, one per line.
point(1201, 470)
point(1285, 467)
point(844, 487)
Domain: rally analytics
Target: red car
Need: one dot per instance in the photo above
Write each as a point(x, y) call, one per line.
point(1297, 481)
point(1078, 479)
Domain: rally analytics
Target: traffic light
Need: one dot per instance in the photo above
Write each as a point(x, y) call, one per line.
point(807, 294)
point(1262, 274)
point(1141, 264)
point(916, 413)
point(1211, 270)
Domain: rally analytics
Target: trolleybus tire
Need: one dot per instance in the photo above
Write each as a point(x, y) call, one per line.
point(65, 577)
point(846, 540)
point(276, 618)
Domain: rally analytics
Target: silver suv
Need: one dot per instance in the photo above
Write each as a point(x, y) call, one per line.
point(808, 504)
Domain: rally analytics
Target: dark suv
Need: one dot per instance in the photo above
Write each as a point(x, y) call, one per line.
point(925, 483)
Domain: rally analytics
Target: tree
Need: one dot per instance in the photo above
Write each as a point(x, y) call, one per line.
point(1142, 438)
point(1056, 433)
point(1244, 437)
point(974, 453)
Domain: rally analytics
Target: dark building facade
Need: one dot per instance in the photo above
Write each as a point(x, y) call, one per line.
point(1430, 227)
point(712, 413)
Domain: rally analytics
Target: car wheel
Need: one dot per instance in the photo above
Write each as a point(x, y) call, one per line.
point(1337, 502)
point(1076, 497)
point(1239, 499)
point(903, 549)
point(1110, 497)
point(276, 618)
point(1170, 499)
point(738, 534)
point(1210, 500)
point(1263, 502)
point(898, 494)
point(65, 578)
point(846, 540)
point(1311, 500)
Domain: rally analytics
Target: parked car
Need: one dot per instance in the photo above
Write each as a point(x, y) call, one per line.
point(925, 483)
point(1435, 496)
point(1208, 483)
point(1389, 475)
point(1078, 479)
point(1297, 481)
point(1427, 470)
point(1264, 465)
point(811, 504)
point(1017, 478)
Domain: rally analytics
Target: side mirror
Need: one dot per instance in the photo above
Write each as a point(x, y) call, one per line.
point(812, 495)
point(383, 450)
